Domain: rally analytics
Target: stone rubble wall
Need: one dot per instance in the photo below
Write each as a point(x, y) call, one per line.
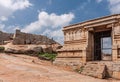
point(21, 38)
point(27, 38)
point(5, 37)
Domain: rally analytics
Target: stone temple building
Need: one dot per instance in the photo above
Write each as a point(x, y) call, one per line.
point(92, 40)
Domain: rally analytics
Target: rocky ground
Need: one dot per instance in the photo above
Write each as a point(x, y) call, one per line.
point(22, 68)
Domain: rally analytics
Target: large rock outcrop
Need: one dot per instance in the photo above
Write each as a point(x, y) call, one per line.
point(31, 50)
point(28, 49)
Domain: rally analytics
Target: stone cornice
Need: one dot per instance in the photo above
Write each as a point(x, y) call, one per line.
point(95, 22)
point(75, 41)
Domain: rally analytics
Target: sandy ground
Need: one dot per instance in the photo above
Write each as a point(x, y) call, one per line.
point(22, 68)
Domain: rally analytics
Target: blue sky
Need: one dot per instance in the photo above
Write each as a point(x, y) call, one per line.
point(47, 17)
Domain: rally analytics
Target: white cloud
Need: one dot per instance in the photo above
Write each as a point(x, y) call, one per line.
point(114, 6)
point(52, 22)
point(3, 18)
point(12, 28)
point(8, 29)
point(56, 34)
point(2, 26)
point(15, 4)
point(46, 20)
point(8, 7)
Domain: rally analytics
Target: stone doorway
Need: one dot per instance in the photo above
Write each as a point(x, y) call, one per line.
point(103, 45)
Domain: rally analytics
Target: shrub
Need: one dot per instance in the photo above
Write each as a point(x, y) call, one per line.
point(47, 56)
point(2, 48)
point(81, 69)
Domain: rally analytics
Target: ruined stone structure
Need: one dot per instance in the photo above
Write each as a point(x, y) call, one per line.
point(5, 37)
point(93, 40)
point(27, 38)
point(21, 38)
point(21, 42)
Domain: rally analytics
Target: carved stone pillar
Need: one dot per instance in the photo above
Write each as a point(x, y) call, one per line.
point(65, 36)
point(84, 52)
point(74, 35)
point(114, 52)
point(69, 36)
point(77, 35)
point(115, 37)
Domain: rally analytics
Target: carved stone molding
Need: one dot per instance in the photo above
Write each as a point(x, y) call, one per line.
point(117, 30)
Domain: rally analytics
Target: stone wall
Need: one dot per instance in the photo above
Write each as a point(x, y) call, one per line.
point(73, 51)
point(5, 37)
point(116, 41)
point(27, 38)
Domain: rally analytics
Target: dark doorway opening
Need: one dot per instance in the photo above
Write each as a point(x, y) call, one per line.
point(102, 45)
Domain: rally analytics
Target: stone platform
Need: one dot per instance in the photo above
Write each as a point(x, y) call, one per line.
point(98, 69)
point(102, 69)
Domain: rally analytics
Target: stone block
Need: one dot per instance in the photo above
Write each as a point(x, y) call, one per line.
point(116, 75)
point(95, 70)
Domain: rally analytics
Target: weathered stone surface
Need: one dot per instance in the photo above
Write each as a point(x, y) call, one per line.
point(27, 38)
point(36, 49)
point(102, 69)
point(48, 50)
point(74, 63)
point(31, 50)
point(5, 37)
point(95, 70)
point(10, 50)
point(116, 70)
point(116, 75)
point(116, 67)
